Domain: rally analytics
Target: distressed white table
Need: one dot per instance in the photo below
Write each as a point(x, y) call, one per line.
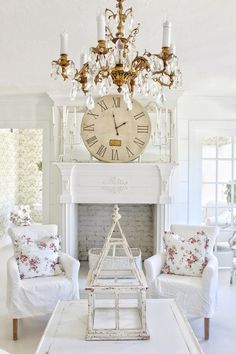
point(170, 332)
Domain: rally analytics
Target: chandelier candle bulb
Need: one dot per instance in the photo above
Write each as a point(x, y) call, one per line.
point(64, 42)
point(101, 28)
point(166, 34)
point(172, 48)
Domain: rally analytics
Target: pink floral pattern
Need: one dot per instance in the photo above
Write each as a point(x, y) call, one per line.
point(38, 258)
point(185, 256)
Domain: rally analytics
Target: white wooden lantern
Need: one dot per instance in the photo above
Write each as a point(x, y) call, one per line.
point(116, 295)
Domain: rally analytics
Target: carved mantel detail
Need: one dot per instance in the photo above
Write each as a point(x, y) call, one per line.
point(114, 185)
point(66, 170)
point(166, 171)
point(111, 179)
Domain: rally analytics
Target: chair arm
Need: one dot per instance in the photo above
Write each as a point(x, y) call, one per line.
point(210, 272)
point(153, 266)
point(210, 283)
point(70, 265)
point(13, 275)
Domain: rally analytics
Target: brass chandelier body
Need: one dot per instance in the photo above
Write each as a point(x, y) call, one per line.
point(115, 61)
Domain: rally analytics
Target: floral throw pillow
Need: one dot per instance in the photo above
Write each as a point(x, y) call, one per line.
point(185, 256)
point(37, 258)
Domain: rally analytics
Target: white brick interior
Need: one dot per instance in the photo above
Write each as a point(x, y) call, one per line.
point(94, 222)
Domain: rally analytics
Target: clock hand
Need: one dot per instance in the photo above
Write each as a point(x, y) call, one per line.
point(121, 125)
point(115, 123)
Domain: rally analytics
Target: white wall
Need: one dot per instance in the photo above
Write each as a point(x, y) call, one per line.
point(196, 114)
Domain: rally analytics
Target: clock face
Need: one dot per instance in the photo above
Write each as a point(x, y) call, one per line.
point(112, 133)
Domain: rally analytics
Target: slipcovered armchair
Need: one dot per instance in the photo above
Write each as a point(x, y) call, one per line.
point(39, 295)
point(195, 295)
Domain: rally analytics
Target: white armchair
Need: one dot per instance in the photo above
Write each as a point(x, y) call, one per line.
point(38, 296)
point(196, 296)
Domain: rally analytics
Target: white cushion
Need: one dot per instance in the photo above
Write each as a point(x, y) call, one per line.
point(185, 256)
point(186, 290)
point(37, 258)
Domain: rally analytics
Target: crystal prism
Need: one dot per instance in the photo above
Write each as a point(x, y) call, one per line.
point(56, 71)
point(90, 104)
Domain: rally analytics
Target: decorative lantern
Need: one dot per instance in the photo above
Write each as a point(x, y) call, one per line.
point(116, 291)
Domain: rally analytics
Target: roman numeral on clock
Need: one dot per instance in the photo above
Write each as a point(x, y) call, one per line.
point(88, 128)
point(129, 152)
point(114, 155)
point(89, 113)
point(140, 143)
point(91, 141)
point(116, 102)
point(139, 115)
point(102, 105)
point(142, 129)
point(101, 151)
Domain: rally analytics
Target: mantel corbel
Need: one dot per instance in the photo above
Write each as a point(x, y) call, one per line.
point(66, 176)
point(166, 170)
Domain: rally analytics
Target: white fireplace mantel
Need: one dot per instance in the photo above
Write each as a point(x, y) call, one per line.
point(123, 183)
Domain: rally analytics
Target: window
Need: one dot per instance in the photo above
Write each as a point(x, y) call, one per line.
point(20, 173)
point(219, 181)
point(218, 197)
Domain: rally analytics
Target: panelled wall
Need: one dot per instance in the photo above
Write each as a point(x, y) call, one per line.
point(196, 115)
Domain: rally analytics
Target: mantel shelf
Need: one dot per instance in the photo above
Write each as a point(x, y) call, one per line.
point(142, 183)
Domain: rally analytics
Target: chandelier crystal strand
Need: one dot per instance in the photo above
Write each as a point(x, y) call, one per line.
point(115, 62)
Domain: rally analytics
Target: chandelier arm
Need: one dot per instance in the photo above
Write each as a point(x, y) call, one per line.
point(159, 72)
point(139, 64)
point(63, 62)
point(111, 12)
point(128, 12)
point(160, 56)
point(103, 73)
point(109, 34)
point(171, 76)
point(133, 33)
point(163, 83)
point(97, 79)
point(81, 76)
point(84, 70)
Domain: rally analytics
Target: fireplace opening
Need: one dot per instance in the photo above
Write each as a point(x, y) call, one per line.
point(94, 222)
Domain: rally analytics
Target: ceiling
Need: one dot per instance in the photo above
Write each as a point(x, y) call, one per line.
point(204, 32)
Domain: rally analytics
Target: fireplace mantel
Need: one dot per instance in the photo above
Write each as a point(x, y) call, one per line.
point(123, 183)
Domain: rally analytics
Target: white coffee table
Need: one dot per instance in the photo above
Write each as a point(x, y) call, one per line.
point(169, 331)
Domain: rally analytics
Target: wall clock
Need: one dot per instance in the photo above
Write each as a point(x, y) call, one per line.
point(112, 133)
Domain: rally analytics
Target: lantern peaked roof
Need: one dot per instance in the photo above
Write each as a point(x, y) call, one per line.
point(122, 270)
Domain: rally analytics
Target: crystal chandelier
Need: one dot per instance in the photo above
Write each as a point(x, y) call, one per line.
point(115, 62)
